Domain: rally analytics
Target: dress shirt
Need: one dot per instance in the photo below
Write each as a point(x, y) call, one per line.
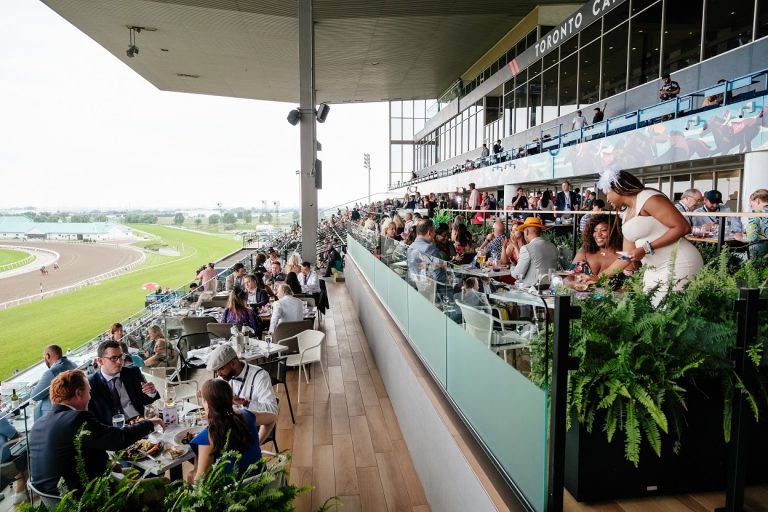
point(309, 282)
point(732, 224)
point(287, 309)
point(255, 385)
point(125, 402)
point(40, 391)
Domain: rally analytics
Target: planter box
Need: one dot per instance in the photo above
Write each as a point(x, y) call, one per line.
point(596, 470)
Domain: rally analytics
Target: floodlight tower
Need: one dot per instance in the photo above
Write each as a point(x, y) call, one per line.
point(277, 212)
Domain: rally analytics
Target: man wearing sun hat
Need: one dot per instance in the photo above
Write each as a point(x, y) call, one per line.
point(713, 202)
point(537, 256)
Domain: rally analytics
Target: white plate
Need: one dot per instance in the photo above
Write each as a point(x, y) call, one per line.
point(180, 435)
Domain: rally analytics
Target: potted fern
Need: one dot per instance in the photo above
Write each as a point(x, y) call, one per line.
point(650, 402)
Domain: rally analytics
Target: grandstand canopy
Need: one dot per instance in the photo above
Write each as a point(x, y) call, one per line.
point(366, 50)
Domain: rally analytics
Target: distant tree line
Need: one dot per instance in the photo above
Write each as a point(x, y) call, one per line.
point(140, 218)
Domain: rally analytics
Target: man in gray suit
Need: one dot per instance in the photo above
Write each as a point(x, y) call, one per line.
point(236, 278)
point(537, 256)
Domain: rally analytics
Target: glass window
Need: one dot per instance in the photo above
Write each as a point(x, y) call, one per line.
point(615, 61)
point(407, 129)
point(682, 35)
point(549, 94)
point(418, 124)
point(521, 108)
point(397, 129)
point(494, 68)
point(639, 5)
point(534, 100)
point(762, 18)
point(681, 183)
point(589, 73)
point(419, 107)
point(665, 186)
point(502, 61)
point(644, 40)
point(509, 118)
point(568, 75)
point(408, 108)
point(728, 26)
point(552, 58)
point(396, 108)
point(590, 33)
point(520, 47)
point(407, 158)
point(703, 181)
point(729, 184)
point(530, 38)
point(616, 17)
point(396, 158)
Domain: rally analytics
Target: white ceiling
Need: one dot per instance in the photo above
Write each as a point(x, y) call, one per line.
point(364, 50)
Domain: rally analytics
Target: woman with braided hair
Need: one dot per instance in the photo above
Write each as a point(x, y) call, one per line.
point(654, 233)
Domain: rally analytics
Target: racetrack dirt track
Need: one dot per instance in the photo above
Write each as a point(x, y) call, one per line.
point(76, 263)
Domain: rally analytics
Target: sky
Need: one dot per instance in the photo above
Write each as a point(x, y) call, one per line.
point(81, 130)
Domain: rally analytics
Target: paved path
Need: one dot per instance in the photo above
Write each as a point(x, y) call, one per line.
point(76, 263)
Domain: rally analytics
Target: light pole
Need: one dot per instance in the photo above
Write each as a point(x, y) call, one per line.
point(367, 165)
point(277, 212)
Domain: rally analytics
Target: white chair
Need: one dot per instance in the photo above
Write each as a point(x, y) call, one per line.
point(50, 501)
point(512, 335)
point(310, 351)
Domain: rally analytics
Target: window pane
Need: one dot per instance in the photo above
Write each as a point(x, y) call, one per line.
point(568, 84)
point(590, 33)
point(728, 26)
point(552, 58)
point(534, 100)
point(682, 35)
point(549, 94)
point(395, 159)
point(762, 18)
point(521, 108)
point(419, 107)
point(407, 158)
point(408, 108)
point(729, 183)
point(645, 37)
point(615, 61)
point(616, 17)
point(397, 108)
point(418, 124)
point(703, 181)
point(397, 130)
point(681, 183)
point(407, 129)
point(639, 5)
point(509, 118)
point(589, 73)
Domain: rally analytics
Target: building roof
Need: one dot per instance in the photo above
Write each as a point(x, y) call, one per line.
point(365, 50)
point(23, 225)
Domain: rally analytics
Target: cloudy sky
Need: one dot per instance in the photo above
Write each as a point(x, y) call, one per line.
point(79, 129)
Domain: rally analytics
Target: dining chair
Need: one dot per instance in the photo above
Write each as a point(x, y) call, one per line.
point(221, 330)
point(285, 333)
point(9, 470)
point(310, 351)
point(277, 373)
point(50, 501)
point(498, 335)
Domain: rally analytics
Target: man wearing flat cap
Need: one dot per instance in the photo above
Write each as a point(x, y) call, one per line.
point(250, 384)
point(537, 256)
point(713, 202)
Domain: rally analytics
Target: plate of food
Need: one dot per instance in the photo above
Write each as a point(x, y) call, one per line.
point(135, 420)
point(186, 435)
point(565, 273)
point(175, 451)
point(142, 449)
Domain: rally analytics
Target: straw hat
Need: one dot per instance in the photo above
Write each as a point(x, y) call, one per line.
point(532, 222)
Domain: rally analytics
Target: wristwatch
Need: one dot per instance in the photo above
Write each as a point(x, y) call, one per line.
point(647, 247)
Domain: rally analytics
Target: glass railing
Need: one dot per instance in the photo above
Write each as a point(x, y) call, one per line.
point(477, 350)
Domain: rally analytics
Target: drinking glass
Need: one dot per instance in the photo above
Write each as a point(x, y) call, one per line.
point(118, 420)
point(190, 419)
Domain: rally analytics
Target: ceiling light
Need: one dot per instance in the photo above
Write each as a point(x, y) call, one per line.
point(132, 50)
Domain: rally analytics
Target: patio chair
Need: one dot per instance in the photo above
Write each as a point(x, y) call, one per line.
point(285, 333)
point(277, 370)
point(310, 351)
point(197, 324)
point(480, 325)
point(50, 501)
point(9, 470)
point(220, 330)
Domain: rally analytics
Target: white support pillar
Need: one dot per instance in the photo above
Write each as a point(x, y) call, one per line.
point(754, 175)
point(308, 131)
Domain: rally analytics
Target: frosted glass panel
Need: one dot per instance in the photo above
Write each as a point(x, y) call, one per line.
point(426, 328)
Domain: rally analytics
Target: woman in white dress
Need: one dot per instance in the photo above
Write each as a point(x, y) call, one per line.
point(654, 231)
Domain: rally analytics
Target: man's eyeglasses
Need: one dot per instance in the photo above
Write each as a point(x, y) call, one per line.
point(114, 359)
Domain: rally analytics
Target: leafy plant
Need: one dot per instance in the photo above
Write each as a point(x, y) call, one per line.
point(442, 216)
point(637, 360)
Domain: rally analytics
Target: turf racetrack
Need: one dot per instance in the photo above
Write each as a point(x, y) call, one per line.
point(76, 263)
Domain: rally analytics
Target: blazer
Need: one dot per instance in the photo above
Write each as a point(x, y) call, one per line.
point(287, 309)
point(52, 446)
point(560, 200)
point(536, 258)
point(232, 281)
point(40, 391)
point(101, 400)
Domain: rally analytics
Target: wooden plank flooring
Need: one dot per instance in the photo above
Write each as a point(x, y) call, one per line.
point(347, 443)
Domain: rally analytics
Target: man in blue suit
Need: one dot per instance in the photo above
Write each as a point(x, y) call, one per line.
point(52, 439)
point(116, 389)
point(56, 362)
point(566, 199)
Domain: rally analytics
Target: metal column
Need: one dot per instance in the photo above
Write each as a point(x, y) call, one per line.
point(308, 131)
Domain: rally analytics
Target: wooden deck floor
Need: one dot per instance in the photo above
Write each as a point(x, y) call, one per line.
point(348, 443)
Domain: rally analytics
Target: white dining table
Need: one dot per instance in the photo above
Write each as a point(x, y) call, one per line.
point(255, 350)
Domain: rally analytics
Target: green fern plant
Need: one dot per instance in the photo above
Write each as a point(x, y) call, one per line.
point(637, 360)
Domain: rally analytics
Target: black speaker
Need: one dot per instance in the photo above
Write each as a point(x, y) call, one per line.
point(294, 116)
point(322, 112)
point(318, 174)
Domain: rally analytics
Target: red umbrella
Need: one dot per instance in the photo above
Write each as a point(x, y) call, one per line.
point(150, 286)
